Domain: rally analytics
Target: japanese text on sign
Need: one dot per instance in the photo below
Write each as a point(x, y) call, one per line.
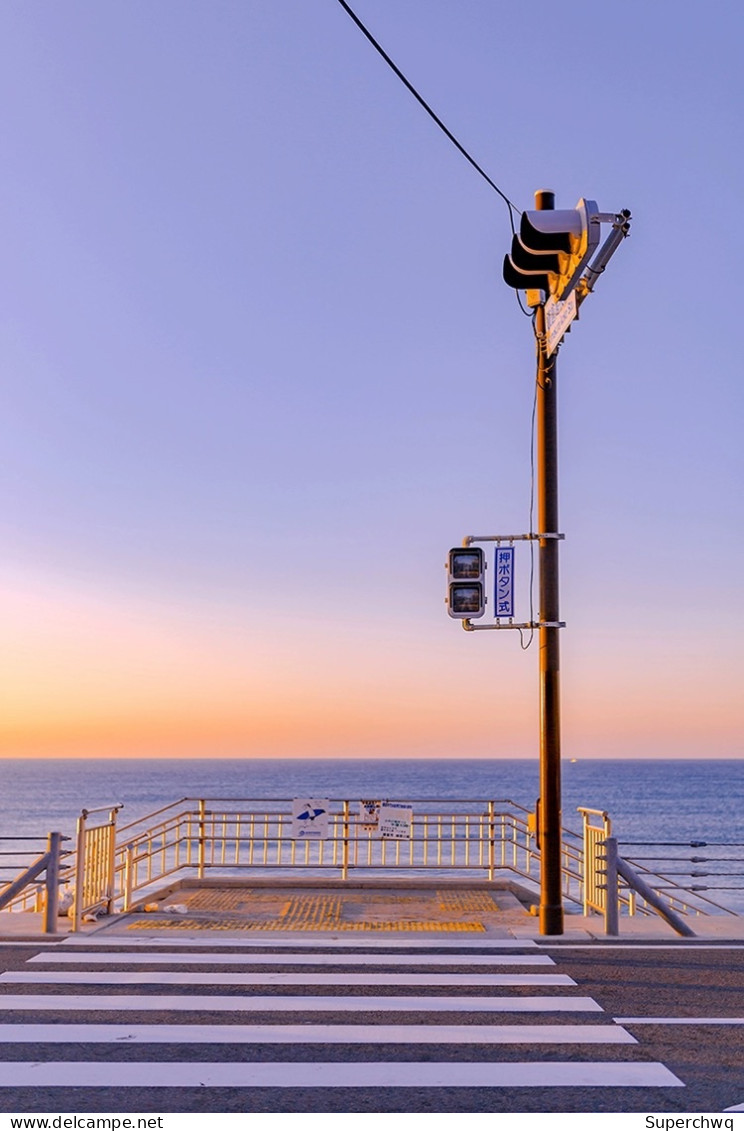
point(369, 815)
point(395, 821)
point(505, 581)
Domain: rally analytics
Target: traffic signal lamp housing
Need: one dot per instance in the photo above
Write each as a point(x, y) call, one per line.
point(552, 249)
point(466, 592)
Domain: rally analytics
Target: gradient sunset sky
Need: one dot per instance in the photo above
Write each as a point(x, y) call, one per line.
point(259, 372)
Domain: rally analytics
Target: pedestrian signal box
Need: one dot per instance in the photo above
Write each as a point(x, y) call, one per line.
point(466, 595)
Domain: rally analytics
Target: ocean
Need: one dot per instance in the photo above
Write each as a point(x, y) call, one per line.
point(659, 801)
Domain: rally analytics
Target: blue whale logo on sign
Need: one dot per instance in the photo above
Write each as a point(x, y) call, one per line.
point(310, 813)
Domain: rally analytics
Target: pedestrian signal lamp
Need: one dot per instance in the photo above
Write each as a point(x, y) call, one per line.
point(466, 598)
point(552, 249)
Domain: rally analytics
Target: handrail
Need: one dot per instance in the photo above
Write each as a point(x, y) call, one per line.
point(443, 843)
point(340, 801)
point(49, 863)
point(102, 809)
point(157, 812)
point(616, 866)
point(115, 866)
point(657, 865)
point(198, 834)
point(95, 864)
point(685, 898)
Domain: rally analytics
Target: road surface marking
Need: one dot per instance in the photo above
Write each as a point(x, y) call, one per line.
point(289, 959)
point(600, 945)
point(678, 1020)
point(293, 944)
point(279, 1003)
point(271, 978)
point(388, 1074)
point(318, 1034)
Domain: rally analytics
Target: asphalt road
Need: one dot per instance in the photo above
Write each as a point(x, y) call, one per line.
point(665, 982)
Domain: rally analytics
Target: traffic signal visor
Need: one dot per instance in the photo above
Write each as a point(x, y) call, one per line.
point(552, 249)
point(466, 596)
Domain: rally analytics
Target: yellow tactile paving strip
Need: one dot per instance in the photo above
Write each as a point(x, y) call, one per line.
point(312, 913)
point(183, 923)
point(266, 909)
point(227, 899)
point(462, 902)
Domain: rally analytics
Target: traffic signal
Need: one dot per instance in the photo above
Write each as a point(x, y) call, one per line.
point(552, 249)
point(466, 597)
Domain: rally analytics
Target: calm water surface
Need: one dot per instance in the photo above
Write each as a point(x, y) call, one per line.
point(690, 799)
point(647, 800)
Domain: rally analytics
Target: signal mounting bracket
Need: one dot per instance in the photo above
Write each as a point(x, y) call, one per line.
point(470, 538)
point(498, 538)
point(470, 627)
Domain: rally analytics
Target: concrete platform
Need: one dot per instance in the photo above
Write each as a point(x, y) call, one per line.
point(414, 911)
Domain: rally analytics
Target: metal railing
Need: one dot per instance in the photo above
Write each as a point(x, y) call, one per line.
point(615, 870)
point(597, 827)
point(685, 899)
point(89, 869)
point(623, 883)
point(661, 868)
point(197, 836)
point(116, 866)
point(95, 863)
point(28, 891)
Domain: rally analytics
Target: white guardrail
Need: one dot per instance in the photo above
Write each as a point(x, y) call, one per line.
point(114, 866)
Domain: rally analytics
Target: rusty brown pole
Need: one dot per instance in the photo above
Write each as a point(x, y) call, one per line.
point(551, 900)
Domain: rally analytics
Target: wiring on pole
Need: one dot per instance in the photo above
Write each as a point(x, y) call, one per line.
point(409, 86)
point(531, 636)
point(528, 313)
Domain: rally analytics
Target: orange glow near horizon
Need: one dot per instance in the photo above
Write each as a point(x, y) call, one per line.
point(103, 676)
point(261, 372)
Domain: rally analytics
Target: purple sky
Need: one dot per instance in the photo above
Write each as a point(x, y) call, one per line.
point(260, 372)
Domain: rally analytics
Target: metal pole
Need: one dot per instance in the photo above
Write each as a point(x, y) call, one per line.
point(612, 908)
point(551, 903)
point(54, 844)
point(491, 841)
point(646, 892)
point(111, 862)
point(128, 875)
point(202, 838)
point(345, 843)
point(77, 920)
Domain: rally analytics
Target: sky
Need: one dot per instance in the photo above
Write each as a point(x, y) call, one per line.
point(259, 372)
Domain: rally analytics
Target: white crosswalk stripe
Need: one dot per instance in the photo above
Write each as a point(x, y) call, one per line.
point(316, 1074)
point(320, 1034)
point(201, 1003)
point(156, 958)
point(316, 1020)
point(271, 978)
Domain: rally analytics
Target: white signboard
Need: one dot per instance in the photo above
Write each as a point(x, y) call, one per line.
point(310, 819)
point(395, 821)
point(558, 318)
point(369, 815)
point(504, 581)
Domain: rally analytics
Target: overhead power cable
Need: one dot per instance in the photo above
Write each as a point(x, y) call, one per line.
point(512, 207)
point(365, 31)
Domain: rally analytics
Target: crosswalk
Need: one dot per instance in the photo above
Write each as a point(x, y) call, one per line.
point(162, 1013)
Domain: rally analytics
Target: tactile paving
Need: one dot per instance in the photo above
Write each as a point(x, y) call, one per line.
point(460, 902)
point(186, 923)
point(266, 909)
